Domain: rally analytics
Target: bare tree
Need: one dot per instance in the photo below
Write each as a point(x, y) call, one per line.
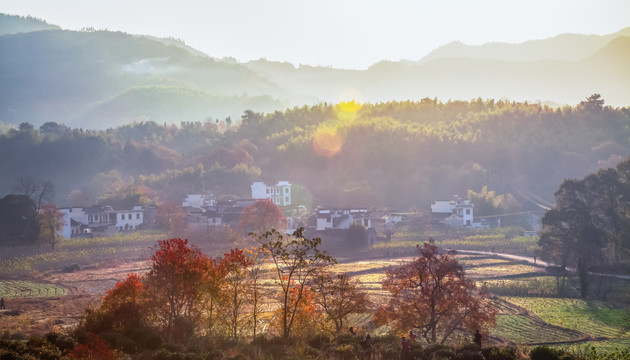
point(50, 222)
point(37, 190)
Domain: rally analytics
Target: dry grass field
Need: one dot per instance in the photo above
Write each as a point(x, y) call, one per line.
point(55, 300)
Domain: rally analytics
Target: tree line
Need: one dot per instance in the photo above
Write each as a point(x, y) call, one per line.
point(587, 232)
point(286, 289)
point(345, 154)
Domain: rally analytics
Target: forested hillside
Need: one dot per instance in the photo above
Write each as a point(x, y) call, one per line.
point(399, 155)
point(99, 79)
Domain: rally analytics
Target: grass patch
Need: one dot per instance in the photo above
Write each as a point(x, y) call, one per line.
point(21, 288)
point(523, 329)
point(595, 318)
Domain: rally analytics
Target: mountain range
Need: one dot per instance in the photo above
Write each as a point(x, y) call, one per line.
point(100, 79)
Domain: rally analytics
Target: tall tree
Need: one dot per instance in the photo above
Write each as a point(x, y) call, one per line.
point(51, 222)
point(174, 286)
point(339, 296)
point(260, 217)
point(36, 189)
point(296, 260)
point(235, 288)
point(432, 295)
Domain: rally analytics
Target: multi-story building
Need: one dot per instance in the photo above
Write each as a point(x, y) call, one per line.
point(279, 194)
point(456, 212)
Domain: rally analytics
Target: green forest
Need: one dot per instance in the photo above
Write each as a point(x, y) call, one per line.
point(395, 155)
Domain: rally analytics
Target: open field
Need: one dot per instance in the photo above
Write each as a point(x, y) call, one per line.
point(528, 313)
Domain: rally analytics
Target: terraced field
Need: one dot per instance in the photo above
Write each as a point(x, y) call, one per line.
point(23, 288)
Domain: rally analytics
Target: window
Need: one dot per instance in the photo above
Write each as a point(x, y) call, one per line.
point(467, 211)
point(286, 199)
point(138, 216)
point(122, 216)
point(286, 190)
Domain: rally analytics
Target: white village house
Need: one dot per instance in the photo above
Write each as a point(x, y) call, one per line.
point(279, 194)
point(100, 221)
point(333, 219)
point(456, 212)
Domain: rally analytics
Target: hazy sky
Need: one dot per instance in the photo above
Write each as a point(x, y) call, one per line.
point(338, 33)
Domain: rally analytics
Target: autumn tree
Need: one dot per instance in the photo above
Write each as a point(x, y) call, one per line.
point(431, 295)
point(256, 292)
point(51, 221)
point(261, 216)
point(173, 286)
point(339, 296)
point(296, 261)
point(171, 217)
point(234, 290)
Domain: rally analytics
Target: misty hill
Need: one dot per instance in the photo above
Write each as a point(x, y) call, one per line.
point(564, 47)
point(65, 75)
point(99, 79)
point(563, 81)
point(162, 104)
point(13, 24)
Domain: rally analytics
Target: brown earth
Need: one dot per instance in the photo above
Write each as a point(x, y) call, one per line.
point(27, 316)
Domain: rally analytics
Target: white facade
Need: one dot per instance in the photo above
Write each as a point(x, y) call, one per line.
point(129, 219)
point(70, 214)
point(459, 212)
point(198, 201)
point(279, 194)
point(342, 218)
point(100, 220)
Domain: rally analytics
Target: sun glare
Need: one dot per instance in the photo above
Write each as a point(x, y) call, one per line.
point(327, 141)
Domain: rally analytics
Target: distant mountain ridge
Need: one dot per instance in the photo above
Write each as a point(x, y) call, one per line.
point(564, 47)
point(13, 24)
point(99, 79)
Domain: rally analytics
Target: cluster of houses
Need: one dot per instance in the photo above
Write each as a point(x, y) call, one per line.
point(205, 212)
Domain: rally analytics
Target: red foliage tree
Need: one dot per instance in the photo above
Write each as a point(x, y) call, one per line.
point(123, 303)
point(431, 294)
point(94, 349)
point(171, 217)
point(173, 286)
point(260, 217)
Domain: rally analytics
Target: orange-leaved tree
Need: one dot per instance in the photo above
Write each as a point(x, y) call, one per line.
point(296, 261)
point(123, 303)
point(173, 286)
point(261, 216)
point(234, 291)
point(431, 295)
point(339, 296)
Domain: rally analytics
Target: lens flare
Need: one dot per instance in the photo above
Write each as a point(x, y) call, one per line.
point(327, 141)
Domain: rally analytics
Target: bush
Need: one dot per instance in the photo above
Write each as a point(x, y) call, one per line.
point(318, 341)
point(469, 355)
point(497, 353)
point(63, 342)
point(439, 351)
point(546, 353)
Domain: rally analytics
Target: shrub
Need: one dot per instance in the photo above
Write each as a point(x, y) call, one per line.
point(63, 342)
point(546, 353)
point(497, 353)
point(318, 341)
point(469, 355)
point(439, 351)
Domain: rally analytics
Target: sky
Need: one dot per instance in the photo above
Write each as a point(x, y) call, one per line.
point(350, 34)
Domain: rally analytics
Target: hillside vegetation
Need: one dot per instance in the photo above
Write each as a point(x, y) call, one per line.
point(92, 79)
point(399, 155)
